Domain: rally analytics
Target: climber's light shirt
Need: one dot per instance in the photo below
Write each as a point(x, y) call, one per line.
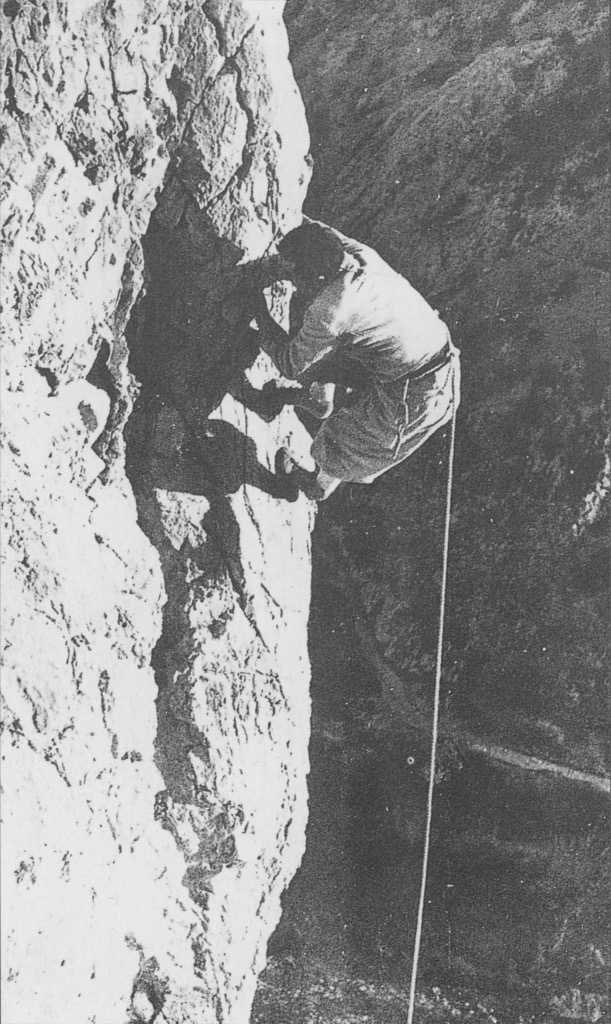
point(369, 313)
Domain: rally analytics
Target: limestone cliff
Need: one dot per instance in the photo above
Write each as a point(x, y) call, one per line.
point(145, 850)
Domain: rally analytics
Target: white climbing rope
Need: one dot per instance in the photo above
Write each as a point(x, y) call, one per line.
point(436, 702)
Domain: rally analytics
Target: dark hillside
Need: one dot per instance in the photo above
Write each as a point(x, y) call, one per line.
point(467, 141)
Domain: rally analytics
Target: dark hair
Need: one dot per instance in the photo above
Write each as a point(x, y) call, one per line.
point(315, 249)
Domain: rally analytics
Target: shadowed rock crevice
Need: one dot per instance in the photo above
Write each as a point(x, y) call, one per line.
point(189, 358)
point(199, 461)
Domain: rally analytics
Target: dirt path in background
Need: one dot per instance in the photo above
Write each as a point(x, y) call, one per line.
point(532, 764)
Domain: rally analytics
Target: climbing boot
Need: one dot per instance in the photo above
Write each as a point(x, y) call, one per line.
point(296, 476)
point(317, 399)
point(269, 402)
point(262, 401)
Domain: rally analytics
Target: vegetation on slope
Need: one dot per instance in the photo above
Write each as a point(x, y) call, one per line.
point(468, 143)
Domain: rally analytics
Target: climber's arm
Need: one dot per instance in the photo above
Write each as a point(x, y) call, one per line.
point(294, 355)
point(273, 339)
point(267, 270)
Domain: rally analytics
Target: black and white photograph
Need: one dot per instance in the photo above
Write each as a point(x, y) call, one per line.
point(305, 475)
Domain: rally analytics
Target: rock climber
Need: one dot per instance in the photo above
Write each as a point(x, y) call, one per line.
point(355, 321)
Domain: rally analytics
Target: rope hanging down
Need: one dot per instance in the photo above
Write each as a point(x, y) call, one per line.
point(436, 702)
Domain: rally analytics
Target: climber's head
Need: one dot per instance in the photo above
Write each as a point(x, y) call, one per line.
point(312, 255)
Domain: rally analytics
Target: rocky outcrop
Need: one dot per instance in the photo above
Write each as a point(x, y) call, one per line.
point(145, 854)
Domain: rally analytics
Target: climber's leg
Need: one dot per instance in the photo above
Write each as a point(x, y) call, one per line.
point(316, 484)
point(318, 399)
point(326, 484)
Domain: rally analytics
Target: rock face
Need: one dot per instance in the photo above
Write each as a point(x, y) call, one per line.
point(145, 854)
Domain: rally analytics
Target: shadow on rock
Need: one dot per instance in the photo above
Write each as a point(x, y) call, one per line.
point(213, 459)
